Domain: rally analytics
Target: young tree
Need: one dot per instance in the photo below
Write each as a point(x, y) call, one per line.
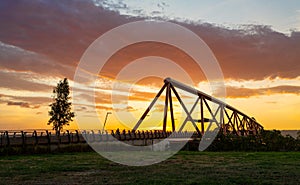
point(60, 113)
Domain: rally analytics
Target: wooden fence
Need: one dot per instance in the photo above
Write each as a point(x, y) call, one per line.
point(23, 138)
point(40, 138)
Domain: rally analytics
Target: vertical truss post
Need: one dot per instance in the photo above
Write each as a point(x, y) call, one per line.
point(166, 108)
point(202, 115)
point(235, 121)
point(222, 124)
point(171, 109)
point(222, 116)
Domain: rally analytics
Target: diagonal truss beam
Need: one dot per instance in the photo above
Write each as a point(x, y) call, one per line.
point(150, 107)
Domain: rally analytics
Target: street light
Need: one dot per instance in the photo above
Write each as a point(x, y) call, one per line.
point(107, 113)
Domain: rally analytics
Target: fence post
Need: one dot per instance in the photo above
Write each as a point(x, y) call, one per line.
point(23, 139)
point(58, 140)
point(84, 137)
point(36, 137)
point(7, 139)
point(77, 136)
point(100, 135)
point(48, 137)
point(69, 138)
point(1, 139)
point(93, 136)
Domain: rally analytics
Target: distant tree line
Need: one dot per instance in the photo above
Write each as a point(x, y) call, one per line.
point(266, 140)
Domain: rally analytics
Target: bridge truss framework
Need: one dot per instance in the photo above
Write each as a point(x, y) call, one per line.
point(227, 118)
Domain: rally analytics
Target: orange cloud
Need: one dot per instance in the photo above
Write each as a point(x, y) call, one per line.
point(235, 92)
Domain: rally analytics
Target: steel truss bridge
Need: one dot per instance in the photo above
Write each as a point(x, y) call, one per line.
point(222, 116)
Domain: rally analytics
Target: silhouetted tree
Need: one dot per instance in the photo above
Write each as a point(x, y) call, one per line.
point(60, 113)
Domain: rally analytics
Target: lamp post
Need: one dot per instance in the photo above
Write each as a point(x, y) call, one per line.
point(107, 113)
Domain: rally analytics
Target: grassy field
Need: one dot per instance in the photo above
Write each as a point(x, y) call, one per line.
point(183, 168)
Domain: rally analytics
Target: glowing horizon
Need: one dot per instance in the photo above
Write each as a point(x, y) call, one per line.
point(244, 104)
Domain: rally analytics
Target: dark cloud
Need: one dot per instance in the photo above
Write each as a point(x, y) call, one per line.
point(162, 5)
point(22, 105)
point(51, 36)
point(35, 100)
point(271, 102)
point(60, 30)
point(137, 11)
point(155, 13)
point(81, 108)
point(248, 52)
point(21, 81)
point(130, 108)
point(257, 52)
point(101, 107)
point(117, 109)
point(18, 59)
point(24, 101)
point(254, 52)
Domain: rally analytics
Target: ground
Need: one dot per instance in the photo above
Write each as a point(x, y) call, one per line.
point(183, 168)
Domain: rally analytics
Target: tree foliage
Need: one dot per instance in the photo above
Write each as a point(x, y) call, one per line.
point(60, 113)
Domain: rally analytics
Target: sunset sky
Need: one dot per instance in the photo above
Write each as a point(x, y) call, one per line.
point(257, 45)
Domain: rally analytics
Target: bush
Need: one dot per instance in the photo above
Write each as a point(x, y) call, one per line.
point(265, 141)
